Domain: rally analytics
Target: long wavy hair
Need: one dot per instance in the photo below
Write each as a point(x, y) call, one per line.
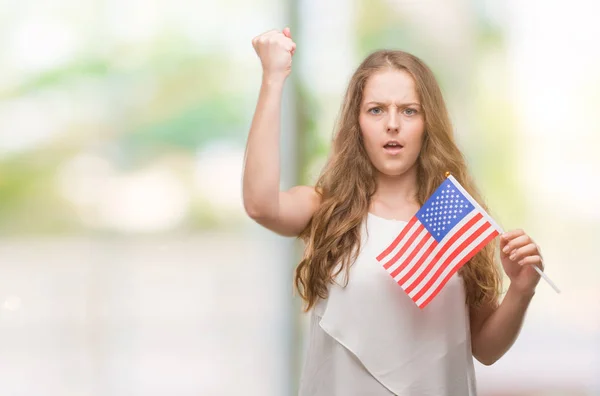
point(332, 237)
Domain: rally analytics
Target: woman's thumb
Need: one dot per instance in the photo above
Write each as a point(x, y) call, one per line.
point(287, 33)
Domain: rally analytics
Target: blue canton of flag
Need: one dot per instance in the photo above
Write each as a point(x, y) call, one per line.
point(443, 210)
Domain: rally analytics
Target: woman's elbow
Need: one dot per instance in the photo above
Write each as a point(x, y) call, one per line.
point(253, 211)
point(262, 214)
point(486, 360)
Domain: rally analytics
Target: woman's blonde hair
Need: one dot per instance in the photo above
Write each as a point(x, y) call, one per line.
point(347, 183)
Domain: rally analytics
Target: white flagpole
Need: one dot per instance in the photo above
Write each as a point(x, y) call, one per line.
point(543, 275)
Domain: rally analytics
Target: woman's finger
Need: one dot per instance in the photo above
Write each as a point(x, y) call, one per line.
point(516, 243)
point(524, 251)
point(533, 260)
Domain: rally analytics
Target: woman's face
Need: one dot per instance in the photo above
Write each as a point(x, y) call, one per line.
point(391, 121)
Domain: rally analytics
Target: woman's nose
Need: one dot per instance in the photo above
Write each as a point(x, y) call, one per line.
point(393, 122)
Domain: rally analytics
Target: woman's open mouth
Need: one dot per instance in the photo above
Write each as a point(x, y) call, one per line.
point(392, 147)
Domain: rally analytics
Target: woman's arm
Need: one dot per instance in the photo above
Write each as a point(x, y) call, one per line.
point(495, 328)
point(284, 212)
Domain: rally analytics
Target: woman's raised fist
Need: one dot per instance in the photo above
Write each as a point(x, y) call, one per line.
point(275, 50)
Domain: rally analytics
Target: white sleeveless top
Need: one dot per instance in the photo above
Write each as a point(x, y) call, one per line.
point(370, 338)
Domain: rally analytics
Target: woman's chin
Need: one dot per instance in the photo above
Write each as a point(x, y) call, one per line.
point(393, 172)
point(397, 170)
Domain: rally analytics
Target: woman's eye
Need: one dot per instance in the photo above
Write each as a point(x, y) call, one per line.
point(375, 110)
point(410, 112)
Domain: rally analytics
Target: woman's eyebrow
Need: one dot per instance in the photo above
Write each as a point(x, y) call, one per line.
point(385, 104)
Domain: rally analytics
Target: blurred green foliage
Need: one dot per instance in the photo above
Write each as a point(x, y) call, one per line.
point(165, 99)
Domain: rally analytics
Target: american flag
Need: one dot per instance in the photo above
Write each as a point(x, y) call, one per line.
point(449, 229)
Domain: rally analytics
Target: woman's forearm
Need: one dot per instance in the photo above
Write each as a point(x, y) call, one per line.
point(500, 330)
point(261, 168)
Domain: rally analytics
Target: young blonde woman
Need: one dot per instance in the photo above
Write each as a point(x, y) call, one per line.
point(392, 146)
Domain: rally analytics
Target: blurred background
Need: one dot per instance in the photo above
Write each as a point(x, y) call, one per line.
point(127, 263)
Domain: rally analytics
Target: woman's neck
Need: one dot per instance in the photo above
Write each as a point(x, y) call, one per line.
point(396, 196)
point(402, 188)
